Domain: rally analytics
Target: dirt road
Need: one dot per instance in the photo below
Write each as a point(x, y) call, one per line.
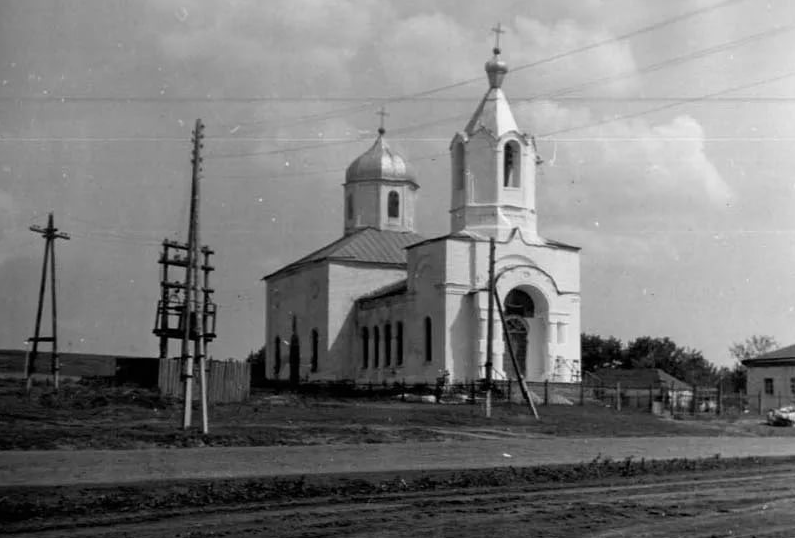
point(752, 503)
point(56, 467)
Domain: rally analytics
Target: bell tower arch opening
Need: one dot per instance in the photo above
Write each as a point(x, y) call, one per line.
point(511, 165)
point(526, 310)
point(518, 308)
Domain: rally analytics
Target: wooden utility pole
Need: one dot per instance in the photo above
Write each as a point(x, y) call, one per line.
point(490, 328)
point(191, 299)
point(50, 234)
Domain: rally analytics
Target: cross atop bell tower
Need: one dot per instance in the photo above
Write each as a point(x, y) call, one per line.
point(497, 31)
point(383, 113)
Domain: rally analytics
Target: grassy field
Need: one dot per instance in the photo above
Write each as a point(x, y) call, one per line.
point(85, 416)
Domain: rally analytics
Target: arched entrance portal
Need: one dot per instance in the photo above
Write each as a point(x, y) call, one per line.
point(518, 308)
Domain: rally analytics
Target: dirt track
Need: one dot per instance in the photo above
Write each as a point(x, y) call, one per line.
point(55, 467)
point(698, 505)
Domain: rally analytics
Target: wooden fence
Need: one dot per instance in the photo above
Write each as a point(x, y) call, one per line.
point(227, 381)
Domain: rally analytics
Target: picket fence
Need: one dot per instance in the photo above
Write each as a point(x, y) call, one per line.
point(227, 381)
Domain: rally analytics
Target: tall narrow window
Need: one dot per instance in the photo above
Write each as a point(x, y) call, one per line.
point(376, 341)
point(387, 345)
point(365, 347)
point(349, 207)
point(510, 164)
point(768, 385)
point(314, 350)
point(428, 340)
point(277, 355)
point(458, 166)
point(393, 205)
point(399, 338)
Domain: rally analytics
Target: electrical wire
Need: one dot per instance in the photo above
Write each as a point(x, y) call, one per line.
point(549, 59)
point(677, 60)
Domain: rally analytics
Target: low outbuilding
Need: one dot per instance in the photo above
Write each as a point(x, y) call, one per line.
point(771, 378)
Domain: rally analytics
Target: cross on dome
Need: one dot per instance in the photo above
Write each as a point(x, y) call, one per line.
point(383, 113)
point(496, 68)
point(497, 31)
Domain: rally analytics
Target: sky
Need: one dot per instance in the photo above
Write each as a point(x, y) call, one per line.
point(666, 130)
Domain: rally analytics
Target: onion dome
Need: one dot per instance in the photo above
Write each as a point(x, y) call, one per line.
point(380, 162)
point(496, 69)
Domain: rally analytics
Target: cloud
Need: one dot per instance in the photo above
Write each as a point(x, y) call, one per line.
point(533, 40)
point(295, 48)
point(432, 50)
point(627, 173)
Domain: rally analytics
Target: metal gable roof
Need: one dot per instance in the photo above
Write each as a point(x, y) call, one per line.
point(639, 377)
point(368, 245)
point(785, 355)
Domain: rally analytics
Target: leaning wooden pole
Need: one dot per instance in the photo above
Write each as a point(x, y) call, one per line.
point(490, 328)
point(31, 366)
point(199, 346)
point(519, 376)
point(50, 234)
point(190, 278)
point(55, 360)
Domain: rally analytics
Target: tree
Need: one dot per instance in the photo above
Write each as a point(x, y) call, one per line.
point(257, 361)
point(598, 352)
point(752, 348)
point(686, 364)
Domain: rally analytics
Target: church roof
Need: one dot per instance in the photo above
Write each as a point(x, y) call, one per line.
point(368, 246)
point(783, 356)
point(380, 162)
point(493, 113)
point(639, 378)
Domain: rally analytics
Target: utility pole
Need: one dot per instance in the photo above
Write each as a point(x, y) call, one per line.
point(189, 311)
point(490, 328)
point(50, 234)
point(516, 369)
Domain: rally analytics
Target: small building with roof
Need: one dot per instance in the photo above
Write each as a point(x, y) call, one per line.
point(383, 303)
point(771, 377)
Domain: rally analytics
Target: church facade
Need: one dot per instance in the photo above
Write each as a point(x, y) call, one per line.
point(383, 303)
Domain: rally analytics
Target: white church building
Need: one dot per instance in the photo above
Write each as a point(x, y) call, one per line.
point(383, 303)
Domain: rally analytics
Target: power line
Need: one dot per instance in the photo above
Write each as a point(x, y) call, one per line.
point(578, 50)
point(372, 99)
point(415, 96)
point(670, 105)
point(671, 61)
point(553, 94)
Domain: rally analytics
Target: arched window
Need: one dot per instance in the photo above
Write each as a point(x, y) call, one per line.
point(393, 205)
point(315, 339)
point(376, 338)
point(387, 345)
point(510, 164)
point(277, 355)
point(365, 347)
point(428, 340)
point(458, 166)
point(399, 342)
point(349, 207)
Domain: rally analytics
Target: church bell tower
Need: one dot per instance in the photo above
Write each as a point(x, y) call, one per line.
point(493, 166)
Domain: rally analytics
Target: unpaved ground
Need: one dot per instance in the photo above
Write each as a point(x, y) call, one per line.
point(57, 467)
point(86, 417)
point(602, 499)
